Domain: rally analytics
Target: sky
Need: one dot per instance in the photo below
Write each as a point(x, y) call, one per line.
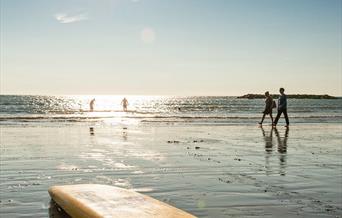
point(170, 47)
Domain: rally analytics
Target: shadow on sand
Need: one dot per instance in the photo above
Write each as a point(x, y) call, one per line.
point(56, 211)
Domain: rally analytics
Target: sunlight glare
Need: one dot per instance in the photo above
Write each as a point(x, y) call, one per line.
point(148, 35)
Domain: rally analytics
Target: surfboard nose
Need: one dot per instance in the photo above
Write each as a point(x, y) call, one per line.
point(95, 201)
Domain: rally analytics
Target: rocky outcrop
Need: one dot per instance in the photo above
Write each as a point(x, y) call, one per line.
point(293, 96)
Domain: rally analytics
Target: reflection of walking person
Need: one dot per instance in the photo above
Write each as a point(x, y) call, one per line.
point(268, 140)
point(282, 150)
point(268, 107)
point(282, 108)
point(268, 149)
point(91, 130)
point(91, 104)
point(282, 141)
point(124, 104)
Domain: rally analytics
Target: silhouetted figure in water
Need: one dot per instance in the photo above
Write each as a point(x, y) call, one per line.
point(124, 104)
point(91, 104)
point(282, 108)
point(268, 107)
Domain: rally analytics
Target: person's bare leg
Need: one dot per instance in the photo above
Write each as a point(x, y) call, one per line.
point(277, 117)
point(286, 118)
point(262, 119)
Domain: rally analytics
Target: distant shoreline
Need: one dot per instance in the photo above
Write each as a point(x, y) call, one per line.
point(247, 96)
point(293, 96)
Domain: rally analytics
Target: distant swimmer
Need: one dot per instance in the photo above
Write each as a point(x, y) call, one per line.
point(91, 104)
point(124, 104)
point(282, 108)
point(268, 107)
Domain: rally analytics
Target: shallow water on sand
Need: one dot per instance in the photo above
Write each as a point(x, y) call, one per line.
point(207, 170)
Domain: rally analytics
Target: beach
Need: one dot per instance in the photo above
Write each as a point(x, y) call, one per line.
point(209, 170)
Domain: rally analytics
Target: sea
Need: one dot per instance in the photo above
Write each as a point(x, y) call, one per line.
point(206, 155)
point(16, 109)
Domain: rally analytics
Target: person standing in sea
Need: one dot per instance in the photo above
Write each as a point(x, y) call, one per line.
point(124, 104)
point(91, 104)
point(268, 107)
point(282, 108)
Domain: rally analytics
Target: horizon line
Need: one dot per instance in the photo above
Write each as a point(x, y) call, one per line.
point(165, 95)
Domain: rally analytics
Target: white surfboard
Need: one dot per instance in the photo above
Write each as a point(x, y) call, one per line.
point(95, 201)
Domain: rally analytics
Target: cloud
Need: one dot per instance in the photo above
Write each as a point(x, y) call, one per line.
point(65, 18)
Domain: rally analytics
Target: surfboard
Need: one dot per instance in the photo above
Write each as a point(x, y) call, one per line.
point(95, 201)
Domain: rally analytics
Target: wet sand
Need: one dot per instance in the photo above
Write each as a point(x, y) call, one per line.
point(207, 170)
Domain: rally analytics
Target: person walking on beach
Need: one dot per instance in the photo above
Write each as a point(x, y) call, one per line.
point(124, 104)
point(268, 107)
point(282, 108)
point(91, 104)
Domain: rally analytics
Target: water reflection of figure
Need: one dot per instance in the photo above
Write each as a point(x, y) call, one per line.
point(268, 148)
point(124, 136)
point(124, 133)
point(91, 104)
point(91, 131)
point(282, 149)
point(124, 104)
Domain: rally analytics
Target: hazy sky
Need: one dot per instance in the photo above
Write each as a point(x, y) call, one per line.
point(170, 47)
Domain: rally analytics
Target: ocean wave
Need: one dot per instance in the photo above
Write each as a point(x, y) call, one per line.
point(150, 117)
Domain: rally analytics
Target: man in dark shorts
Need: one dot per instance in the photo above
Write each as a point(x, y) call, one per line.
point(282, 108)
